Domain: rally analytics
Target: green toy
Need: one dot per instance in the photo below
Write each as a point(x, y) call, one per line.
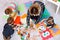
point(59, 0)
point(21, 7)
point(5, 17)
point(22, 38)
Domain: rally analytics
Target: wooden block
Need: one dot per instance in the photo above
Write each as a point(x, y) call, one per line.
point(24, 16)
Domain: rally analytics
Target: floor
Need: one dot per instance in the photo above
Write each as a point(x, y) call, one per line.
point(3, 4)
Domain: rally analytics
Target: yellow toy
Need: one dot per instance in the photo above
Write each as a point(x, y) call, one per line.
point(24, 16)
point(57, 30)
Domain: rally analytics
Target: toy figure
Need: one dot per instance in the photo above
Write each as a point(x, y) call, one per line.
point(23, 36)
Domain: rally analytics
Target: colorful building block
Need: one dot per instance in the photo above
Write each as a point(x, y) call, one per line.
point(24, 16)
point(5, 17)
point(28, 4)
point(21, 7)
point(18, 20)
point(55, 31)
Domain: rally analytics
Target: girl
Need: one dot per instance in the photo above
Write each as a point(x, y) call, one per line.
point(50, 22)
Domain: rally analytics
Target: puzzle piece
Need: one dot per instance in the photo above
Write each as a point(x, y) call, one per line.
point(24, 16)
point(28, 4)
point(21, 7)
point(46, 34)
point(18, 20)
point(55, 31)
point(19, 32)
point(22, 38)
point(5, 17)
point(42, 28)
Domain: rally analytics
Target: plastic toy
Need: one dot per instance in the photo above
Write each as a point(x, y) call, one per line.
point(21, 8)
point(24, 16)
point(13, 6)
point(45, 33)
point(17, 20)
point(55, 31)
point(22, 37)
point(19, 32)
point(59, 0)
point(28, 4)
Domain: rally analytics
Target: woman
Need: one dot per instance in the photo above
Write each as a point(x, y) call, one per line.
point(35, 12)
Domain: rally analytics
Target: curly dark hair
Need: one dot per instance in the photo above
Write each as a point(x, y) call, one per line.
point(34, 10)
point(50, 18)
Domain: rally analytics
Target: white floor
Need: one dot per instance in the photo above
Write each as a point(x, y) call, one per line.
point(3, 4)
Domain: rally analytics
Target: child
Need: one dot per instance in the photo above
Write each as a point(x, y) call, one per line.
point(50, 22)
point(15, 15)
point(8, 29)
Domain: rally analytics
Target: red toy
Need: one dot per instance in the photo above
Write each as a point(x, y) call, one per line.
point(45, 34)
point(18, 20)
